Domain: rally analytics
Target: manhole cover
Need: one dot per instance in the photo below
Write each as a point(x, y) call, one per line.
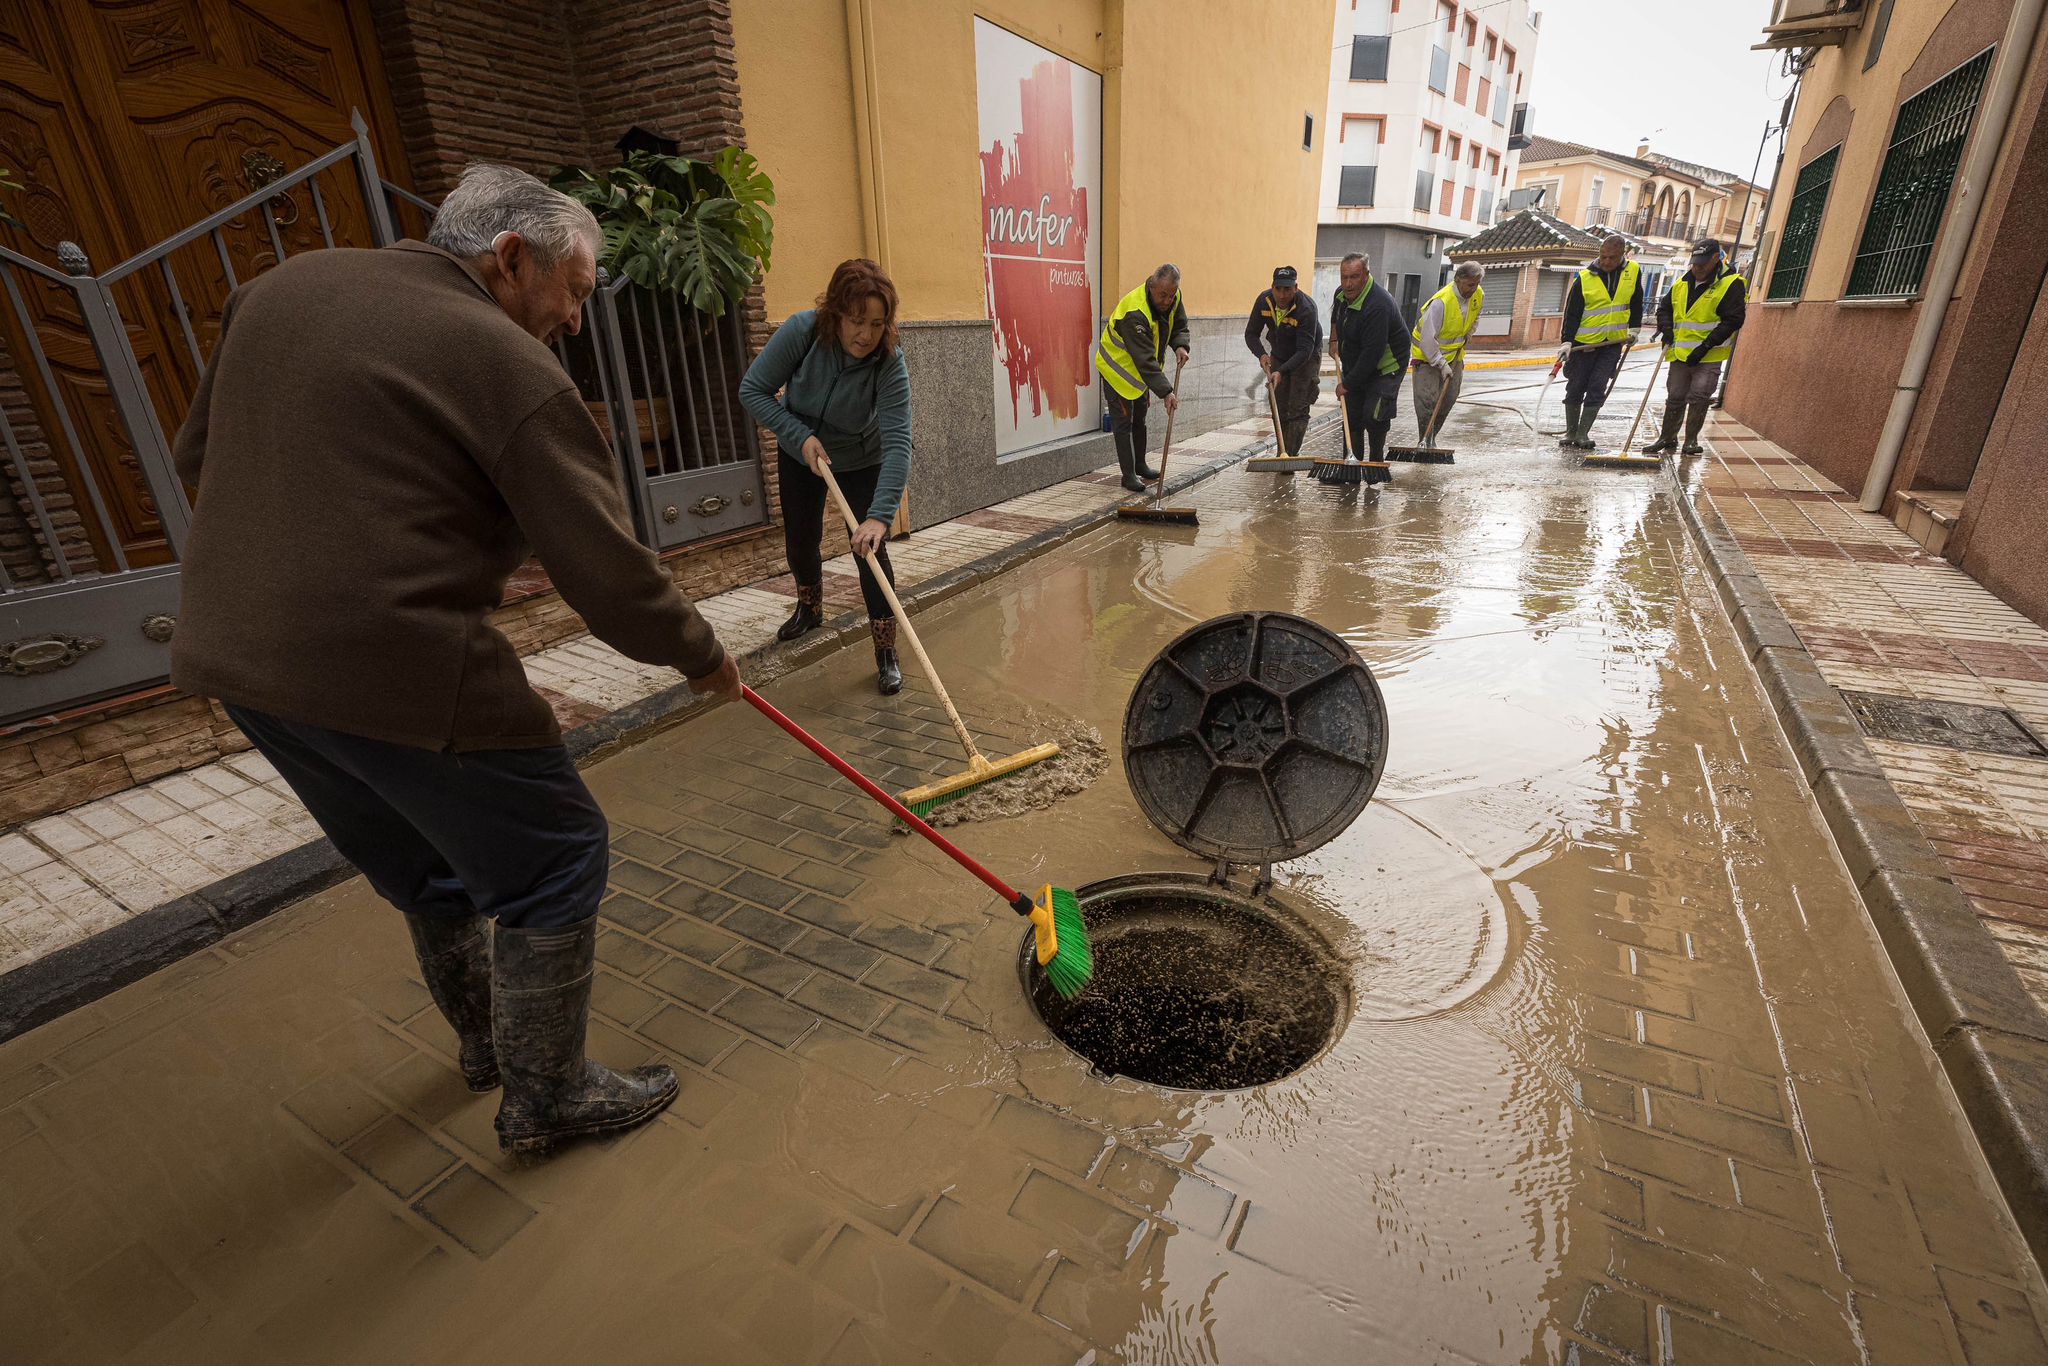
point(1195, 988)
point(1953, 725)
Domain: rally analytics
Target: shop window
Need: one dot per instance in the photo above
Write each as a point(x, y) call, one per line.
point(1499, 284)
point(1802, 225)
point(1550, 291)
point(1928, 139)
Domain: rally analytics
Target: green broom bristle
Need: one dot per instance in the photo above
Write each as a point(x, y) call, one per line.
point(1073, 963)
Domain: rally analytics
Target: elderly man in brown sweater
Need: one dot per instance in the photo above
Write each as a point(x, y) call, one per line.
point(379, 440)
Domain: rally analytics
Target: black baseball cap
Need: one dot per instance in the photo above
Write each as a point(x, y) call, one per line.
point(1705, 248)
point(1284, 275)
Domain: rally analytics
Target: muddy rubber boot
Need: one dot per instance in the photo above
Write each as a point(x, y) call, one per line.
point(455, 958)
point(1570, 440)
point(1124, 462)
point(1292, 432)
point(809, 614)
point(1667, 440)
point(888, 671)
point(1695, 418)
point(540, 1003)
point(1586, 416)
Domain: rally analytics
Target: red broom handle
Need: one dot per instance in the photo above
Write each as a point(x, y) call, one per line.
point(896, 808)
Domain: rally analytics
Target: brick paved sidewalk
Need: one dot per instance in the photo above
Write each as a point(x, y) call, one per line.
point(1882, 617)
point(96, 867)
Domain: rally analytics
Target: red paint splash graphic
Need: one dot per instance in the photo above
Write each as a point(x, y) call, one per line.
point(1035, 226)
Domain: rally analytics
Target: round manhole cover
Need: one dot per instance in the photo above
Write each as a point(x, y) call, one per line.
point(1196, 988)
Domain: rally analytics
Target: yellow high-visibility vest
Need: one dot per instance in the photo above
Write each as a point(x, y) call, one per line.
point(1694, 315)
point(1113, 361)
point(1460, 317)
point(1606, 317)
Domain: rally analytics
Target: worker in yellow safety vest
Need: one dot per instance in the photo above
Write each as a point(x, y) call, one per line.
point(1603, 310)
point(1697, 321)
point(1438, 352)
point(1130, 356)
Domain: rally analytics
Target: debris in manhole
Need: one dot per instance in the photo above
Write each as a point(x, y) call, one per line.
point(1079, 763)
point(1196, 992)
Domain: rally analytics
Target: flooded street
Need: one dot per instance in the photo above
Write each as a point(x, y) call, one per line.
point(1621, 1072)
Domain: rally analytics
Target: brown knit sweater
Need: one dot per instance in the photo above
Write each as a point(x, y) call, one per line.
point(375, 446)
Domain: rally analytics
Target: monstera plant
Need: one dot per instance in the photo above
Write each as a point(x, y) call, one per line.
point(698, 229)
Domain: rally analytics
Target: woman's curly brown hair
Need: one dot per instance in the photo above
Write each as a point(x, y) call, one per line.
point(853, 284)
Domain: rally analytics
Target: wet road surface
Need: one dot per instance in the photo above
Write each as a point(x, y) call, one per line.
point(1624, 1076)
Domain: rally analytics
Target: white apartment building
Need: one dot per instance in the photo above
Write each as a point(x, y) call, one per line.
point(1427, 116)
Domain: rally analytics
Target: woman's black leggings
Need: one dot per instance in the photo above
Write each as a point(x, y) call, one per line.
point(805, 503)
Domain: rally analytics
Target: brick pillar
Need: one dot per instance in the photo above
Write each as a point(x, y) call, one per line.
point(1525, 303)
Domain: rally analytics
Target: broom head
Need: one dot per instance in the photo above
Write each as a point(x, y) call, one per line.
point(1154, 512)
point(1623, 460)
point(1278, 464)
point(1062, 940)
point(922, 801)
point(1353, 472)
point(1423, 455)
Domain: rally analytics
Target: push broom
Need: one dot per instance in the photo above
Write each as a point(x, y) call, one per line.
point(1059, 931)
point(1279, 462)
point(980, 769)
point(1156, 511)
point(1428, 453)
point(1347, 470)
point(1626, 458)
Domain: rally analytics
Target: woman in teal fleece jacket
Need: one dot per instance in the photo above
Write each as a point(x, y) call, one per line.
point(845, 402)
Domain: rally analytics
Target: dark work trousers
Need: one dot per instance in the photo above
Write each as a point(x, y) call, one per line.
point(1127, 421)
point(1589, 374)
point(1370, 410)
point(806, 502)
point(509, 833)
point(1296, 394)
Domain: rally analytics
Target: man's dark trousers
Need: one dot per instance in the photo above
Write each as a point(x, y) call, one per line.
point(1127, 422)
point(1589, 373)
point(1295, 393)
point(1370, 410)
point(509, 833)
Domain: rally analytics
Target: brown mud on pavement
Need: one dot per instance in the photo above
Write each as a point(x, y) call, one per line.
point(1625, 1075)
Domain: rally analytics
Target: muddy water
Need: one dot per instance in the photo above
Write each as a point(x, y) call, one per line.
point(1624, 1074)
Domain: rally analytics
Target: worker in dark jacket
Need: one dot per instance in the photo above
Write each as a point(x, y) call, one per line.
point(1287, 337)
point(1371, 345)
point(1130, 356)
point(1603, 310)
point(1697, 321)
point(434, 438)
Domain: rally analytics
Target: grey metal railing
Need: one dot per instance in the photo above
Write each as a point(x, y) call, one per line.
point(98, 371)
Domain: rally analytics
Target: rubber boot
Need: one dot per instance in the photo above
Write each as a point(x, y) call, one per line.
point(1292, 431)
point(888, 671)
point(809, 614)
point(1667, 440)
point(540, 1004)
point(455, 958)
point(1124, 462)
point(1377, 443)
point(1586, 417)
point(1571, 426)
point(1695, 418)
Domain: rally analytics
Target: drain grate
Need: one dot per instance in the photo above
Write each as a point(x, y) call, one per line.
point(1952, 725)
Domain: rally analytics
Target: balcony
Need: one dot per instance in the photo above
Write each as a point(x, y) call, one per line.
point(1647, 224)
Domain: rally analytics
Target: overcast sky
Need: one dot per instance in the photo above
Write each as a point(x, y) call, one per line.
point(1677, 72)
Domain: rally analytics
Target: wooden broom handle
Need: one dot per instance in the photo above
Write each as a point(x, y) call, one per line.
point(1273, 406)
point(1644, 406)
point(924, 660)
point(1159, 492)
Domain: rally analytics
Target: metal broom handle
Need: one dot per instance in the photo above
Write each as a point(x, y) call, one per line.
point(924, 660)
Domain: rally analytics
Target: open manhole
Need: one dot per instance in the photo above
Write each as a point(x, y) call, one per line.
point(1196, 988)
point(1252, 738)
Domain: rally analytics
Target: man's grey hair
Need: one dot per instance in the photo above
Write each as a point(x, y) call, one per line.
point(490, 201)
point(1351, 256)
point(1169, 271)
point(1469, 270)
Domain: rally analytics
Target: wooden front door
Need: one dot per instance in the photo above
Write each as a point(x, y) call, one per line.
point(128, 121)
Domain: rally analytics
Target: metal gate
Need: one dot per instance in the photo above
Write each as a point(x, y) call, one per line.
point(84, 613)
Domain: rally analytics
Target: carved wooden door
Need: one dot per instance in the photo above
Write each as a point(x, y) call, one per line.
point(188, 105)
